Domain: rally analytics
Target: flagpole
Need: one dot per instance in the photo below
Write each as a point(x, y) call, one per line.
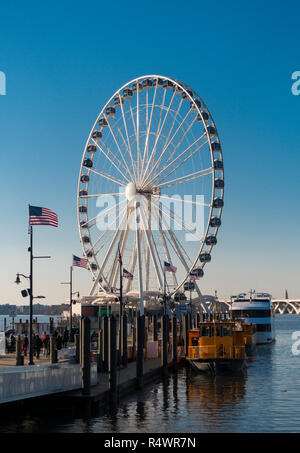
point(71, 287)
point(165, 308)
point(121, 291)
point(31, 297)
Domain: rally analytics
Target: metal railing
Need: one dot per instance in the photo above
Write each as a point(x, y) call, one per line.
point(216, 352)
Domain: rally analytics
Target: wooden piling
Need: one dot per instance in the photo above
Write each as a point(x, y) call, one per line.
point(134, 342)
point(140, 326)
point(53, 350)
point(105, 345)
point(77, 348)
point(112, 363)
point(174, 340)
point(124, 340)
point(86, 360)
point(164, 343)
point(185, 334)
point(155, 336)
point(19, 356)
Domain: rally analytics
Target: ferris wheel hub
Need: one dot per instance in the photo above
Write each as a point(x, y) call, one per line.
point(130, 191)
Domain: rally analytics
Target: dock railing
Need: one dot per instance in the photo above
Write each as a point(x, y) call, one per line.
point(216, 352)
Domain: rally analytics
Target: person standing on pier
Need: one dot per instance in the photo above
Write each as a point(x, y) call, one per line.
point(38, 346)
point(25, 345)
point(65, 338)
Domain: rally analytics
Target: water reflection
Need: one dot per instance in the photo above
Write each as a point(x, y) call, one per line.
point(265, 399)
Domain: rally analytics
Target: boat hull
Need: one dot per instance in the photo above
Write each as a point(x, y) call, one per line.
point(217, 366)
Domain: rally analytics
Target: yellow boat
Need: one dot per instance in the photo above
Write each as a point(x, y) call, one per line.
point(219, 346)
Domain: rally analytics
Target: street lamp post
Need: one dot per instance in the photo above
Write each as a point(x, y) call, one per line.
point(30, 277)
point(71, 296)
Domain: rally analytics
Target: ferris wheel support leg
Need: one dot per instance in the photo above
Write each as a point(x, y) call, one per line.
point(140, 276)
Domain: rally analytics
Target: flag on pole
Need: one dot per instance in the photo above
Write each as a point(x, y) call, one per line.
point(127, 274)
point(193, 276)
point(119, 256)
point(169, 268)
point(42, 216)
point(80, 262)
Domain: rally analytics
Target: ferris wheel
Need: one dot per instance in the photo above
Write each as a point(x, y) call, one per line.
point(150, 189)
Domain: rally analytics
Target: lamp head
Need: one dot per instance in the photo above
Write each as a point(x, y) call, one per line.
point(17, 281)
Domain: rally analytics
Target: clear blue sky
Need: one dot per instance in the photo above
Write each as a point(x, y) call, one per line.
point(63, 60)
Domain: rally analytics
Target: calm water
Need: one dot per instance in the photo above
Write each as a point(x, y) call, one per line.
point(266, 399)
point(40, 319)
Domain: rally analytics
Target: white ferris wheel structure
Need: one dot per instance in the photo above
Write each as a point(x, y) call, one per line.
point(151, 187)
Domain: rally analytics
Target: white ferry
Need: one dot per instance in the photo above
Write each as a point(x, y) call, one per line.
point(256, 308)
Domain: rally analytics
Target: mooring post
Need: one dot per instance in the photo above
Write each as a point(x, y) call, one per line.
point(99, 347)
point(134, 342)
point(51, 326)
point(53, 350)
point(19, 356)
point(164, 344)
point(77, 348)
point(105, 344)
point(124, 340)
point(155, 336)
point(112, 363)
point(185, 334)
point(86, 362)
point(174, 340)
point(145, 336)
point(140, 324)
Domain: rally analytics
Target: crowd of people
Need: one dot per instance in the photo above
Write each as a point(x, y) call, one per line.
point(40, 344)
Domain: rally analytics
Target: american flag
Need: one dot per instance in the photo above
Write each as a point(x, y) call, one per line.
point(80, 262)
point(42, 216)
point(127, 274)
point(169, 268)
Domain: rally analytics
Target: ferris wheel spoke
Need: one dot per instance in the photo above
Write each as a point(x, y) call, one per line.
point(101, 195)
point(150, 244)
point(139, 157)
point(132, 267)
point(109, 177)
point(178, 157)
point(166, 197)
point(118, 146)
point(174, 119)
point(186, 178)
point(108, 230)
point(152, 156)
point(132, 175)
point(105, 260)
point(177, 146)
point(164, 243)
point(127, 136)
point(105, 212)
point(174, 242)
point(110, 160)
point(167, 146)
point(139, 259)
point(123, 241)
point(149, 126)
point(179, 220)
point(187, 227)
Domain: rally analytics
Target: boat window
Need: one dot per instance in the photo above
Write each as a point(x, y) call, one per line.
point(251, 313)
point(263, 327)
point(226, 332)
point(206, 331)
